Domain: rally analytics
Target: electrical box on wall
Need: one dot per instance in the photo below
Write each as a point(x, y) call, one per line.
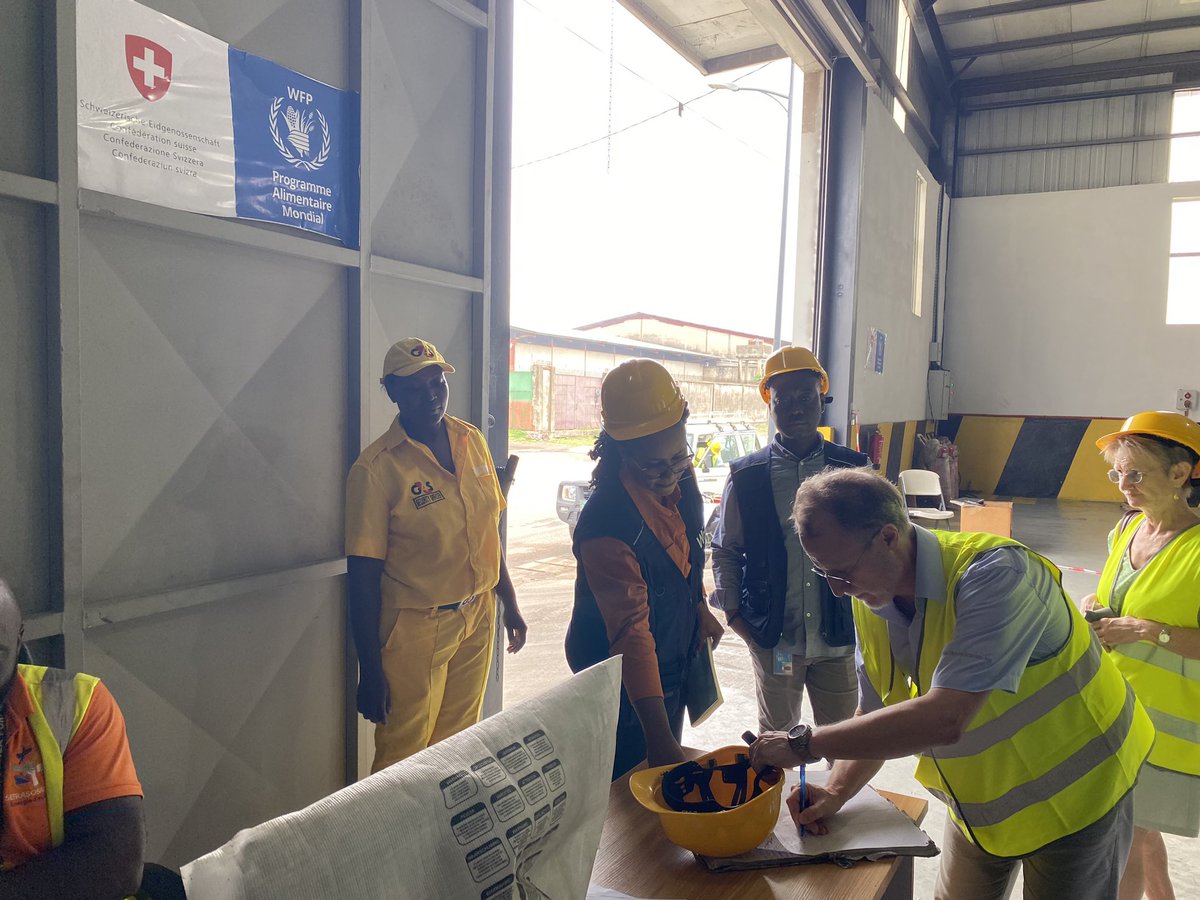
point(1185, 400)
point(941, 386)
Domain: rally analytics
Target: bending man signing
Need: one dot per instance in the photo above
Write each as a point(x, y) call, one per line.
point(971, 657)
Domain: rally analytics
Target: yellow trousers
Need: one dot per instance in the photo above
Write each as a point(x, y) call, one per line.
point(436, 664)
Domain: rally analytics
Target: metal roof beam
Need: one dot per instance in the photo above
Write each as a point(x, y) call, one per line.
point(1074, 145)
point(933, 47)
point(1107, 94)
point(1002, 9)
point(1074, 37)
point(1118, 68)
point(740, 60)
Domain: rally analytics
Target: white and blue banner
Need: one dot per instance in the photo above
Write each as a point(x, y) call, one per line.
point(173, 116)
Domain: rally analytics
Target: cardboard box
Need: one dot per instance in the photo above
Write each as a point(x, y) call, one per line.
point(994, 517)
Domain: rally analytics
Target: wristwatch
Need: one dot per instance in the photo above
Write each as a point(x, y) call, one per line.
point(798, 739)
point(1164, 636)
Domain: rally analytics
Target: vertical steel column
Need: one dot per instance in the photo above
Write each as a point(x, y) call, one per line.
point(63, 357)
point(839, 272)
point(490, 314)
point(358, 318)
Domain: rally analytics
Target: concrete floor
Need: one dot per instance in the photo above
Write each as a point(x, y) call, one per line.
point(543, 570)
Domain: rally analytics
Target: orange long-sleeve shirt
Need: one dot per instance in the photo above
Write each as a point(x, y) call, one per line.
point(613, 574)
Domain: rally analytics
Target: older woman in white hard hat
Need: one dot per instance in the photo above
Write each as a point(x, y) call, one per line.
point(640, 561)
point(1147, 610)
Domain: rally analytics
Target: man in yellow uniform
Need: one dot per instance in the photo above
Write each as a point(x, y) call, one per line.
point(425, 563)
point(971, 657)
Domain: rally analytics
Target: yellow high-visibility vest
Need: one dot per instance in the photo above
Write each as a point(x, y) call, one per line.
point(1167, 590)
point(1035, 765)
point(60, 701)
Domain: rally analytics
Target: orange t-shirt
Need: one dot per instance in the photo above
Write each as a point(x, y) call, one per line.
point(613, 574)
point(97, 766)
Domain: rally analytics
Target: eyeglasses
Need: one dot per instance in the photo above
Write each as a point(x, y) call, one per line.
point(675, 465)
point(845, 579)
point(1133, 476)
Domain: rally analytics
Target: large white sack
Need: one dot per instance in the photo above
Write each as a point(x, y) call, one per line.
point(512, 807)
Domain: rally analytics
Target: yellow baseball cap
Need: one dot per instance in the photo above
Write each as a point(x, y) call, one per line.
point(411, 355)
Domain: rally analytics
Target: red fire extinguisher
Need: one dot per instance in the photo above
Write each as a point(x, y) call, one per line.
point(876, 451)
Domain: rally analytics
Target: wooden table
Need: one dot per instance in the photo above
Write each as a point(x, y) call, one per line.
point(636, 858)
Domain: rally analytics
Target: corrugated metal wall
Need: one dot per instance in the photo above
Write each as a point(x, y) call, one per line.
point(881, 28)
point(983, 169)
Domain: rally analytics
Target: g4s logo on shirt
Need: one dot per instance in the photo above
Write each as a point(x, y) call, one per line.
point(424, 494)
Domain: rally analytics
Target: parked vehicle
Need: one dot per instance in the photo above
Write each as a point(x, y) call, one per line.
point(714, 445)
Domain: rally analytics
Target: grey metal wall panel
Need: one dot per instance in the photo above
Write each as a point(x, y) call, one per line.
point(24, 429)
point(213, 384)
point(421, 186)
point(232, 710)
point(22, 88)
point(310, 36)
point(1106, 119)
point(401, 309)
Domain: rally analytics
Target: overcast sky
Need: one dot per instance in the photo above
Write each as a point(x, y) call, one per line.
point(677, 215)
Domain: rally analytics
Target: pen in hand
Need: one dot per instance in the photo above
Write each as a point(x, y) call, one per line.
point(803, 794)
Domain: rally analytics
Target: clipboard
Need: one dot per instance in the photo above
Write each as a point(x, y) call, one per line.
point(703, 689)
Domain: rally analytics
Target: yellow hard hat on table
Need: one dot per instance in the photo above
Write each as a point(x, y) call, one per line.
point(639, 397)
point(717, 805)
point(791, 359)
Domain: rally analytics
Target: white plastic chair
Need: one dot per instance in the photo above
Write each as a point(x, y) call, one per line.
point(923, 483)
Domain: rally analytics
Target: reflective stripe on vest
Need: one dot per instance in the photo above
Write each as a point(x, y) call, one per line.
point(1164, 590)
point(60, 700)
point(1035, 765)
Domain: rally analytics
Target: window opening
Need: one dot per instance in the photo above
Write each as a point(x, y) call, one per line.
point(918, 262)
point(1183, 273)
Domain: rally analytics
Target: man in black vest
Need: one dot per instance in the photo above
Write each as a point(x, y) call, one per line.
point(799, 634)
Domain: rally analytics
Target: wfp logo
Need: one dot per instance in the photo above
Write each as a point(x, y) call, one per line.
point(300, 122)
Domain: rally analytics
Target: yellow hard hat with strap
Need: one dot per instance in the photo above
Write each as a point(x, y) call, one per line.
point(791, 359)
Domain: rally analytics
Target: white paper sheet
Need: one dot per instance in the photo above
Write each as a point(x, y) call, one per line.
point(867, 827)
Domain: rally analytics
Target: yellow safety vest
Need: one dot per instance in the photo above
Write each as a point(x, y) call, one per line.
point(60, 701)
point(1167, 590)
point(1035, 765)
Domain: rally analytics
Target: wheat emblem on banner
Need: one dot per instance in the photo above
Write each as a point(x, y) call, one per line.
point(299, 125)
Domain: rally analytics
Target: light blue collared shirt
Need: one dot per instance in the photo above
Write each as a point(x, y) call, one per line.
point(1009, 613)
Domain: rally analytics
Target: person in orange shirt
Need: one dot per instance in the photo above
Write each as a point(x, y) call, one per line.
point(72, 817)
point(640, 562)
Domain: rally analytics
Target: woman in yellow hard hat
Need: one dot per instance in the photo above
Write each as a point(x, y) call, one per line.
point(640, 561)
point(1147, 610)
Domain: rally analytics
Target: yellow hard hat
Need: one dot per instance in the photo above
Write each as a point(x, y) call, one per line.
point(737, 825)
point(791, 359)
point(639, 397)
point(1168, 425)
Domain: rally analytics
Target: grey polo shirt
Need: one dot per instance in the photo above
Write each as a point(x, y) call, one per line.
point(1009, 613)
point(802, 612)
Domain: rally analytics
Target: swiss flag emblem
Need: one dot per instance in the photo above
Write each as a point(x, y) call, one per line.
point(149, 66)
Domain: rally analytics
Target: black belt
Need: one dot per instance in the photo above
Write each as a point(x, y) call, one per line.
point(449, 607)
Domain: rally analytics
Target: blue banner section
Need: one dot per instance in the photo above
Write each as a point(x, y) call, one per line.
point(295, 147)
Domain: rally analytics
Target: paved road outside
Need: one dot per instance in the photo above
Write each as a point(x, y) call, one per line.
point(543, 571)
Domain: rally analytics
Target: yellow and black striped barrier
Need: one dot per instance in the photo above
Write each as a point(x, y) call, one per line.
point(1032, 456)
point(1007, 456)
